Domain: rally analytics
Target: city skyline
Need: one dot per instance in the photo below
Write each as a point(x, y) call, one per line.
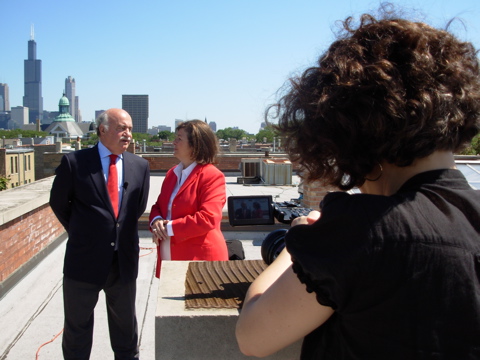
point(223, 61)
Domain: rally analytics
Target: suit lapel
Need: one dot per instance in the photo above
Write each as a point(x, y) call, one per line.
point(127, 179)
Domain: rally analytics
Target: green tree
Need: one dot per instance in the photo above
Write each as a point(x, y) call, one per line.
point(91, 140)
point(13, 134)
point(231, 133)
point(267, 133)
point(166, 135)
point(474, 148)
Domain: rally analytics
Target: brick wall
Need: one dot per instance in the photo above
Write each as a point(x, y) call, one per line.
point(40, 151)
point(25, 237)
point(313, 193)
point(50, 163)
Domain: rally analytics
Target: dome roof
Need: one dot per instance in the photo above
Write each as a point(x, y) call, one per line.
point(64, 101)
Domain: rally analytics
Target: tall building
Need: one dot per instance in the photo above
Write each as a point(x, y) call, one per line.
point(78, 113)
point(178, 122)
point(33, 82)
point(70, 94)
point(137, 107)
point(4, 98)
point(213, 126)
point(98, 113)
point(19, 117)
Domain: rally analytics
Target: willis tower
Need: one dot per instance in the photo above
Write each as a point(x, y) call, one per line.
point(33, 82)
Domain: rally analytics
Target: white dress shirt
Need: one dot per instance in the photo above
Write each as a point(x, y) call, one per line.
point(182, 175)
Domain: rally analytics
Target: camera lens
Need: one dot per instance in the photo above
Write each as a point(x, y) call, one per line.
point(272, 245)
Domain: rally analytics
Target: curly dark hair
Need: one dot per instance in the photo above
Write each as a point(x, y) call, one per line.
point(388, 90)
point(202, 139)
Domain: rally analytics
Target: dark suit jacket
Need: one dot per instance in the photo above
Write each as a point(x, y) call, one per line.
point(80, 200)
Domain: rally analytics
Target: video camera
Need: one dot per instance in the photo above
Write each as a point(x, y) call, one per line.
point(261, 210)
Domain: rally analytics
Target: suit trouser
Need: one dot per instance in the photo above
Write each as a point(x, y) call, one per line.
point(80, 299)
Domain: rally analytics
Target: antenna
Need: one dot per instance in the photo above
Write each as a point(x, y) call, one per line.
point(32, 32)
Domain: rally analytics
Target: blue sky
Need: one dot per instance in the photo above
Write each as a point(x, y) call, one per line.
point(219, 60)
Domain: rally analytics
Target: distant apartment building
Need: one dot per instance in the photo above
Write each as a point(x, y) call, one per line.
point(156, 129)
point(213, 126)
point(17, 165)
point(98, 113)
point(19, 117)
point(178, 122)
point(137, 107)
point(4, 98)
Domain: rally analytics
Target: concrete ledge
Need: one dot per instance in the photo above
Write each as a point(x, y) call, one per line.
point(200, 334)
point(20, 200)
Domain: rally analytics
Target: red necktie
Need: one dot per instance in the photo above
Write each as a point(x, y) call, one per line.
point(112, 183)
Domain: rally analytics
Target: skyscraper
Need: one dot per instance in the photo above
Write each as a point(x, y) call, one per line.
point(137, 107)
point(4, 98)
point(213, 126)
point(70, 95)
point(33, 82)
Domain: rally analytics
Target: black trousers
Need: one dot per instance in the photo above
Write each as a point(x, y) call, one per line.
point(80, 299)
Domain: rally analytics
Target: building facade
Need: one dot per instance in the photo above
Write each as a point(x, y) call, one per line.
point(78, 113)
point(17, 165)
point(213, 126)
point(4, 98)
point(137, 107)
point(70, 94)
point(19, 117)
point(33, 82)
point(98, 113)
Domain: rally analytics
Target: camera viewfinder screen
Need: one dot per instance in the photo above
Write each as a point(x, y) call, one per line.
point(250, 210)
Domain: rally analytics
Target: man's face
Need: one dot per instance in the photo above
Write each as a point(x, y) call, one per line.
point(118, 135)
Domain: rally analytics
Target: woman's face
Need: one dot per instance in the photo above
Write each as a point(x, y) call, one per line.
point(181, 148)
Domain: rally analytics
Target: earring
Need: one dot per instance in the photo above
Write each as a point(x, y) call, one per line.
point(379, 176)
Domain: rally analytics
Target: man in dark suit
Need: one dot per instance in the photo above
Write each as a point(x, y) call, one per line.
point(243, 212)
point(103, 246)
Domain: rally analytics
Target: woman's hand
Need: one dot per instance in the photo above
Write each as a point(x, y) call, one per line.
point(159, 231)
point(307, 220)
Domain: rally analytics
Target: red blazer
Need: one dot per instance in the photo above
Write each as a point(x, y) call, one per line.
point(196, 215)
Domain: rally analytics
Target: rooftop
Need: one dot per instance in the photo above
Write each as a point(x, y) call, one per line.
point(33, 308)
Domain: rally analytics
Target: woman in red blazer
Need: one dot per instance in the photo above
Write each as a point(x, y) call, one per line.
point(185, 220)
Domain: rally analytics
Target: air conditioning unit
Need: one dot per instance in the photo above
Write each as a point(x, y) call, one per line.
point(277, 171)
point(251, 167)
point(251, 171)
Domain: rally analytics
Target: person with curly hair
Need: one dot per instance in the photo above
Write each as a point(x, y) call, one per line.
point(392, 272)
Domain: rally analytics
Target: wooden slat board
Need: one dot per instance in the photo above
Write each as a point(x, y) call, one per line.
point(220, 284)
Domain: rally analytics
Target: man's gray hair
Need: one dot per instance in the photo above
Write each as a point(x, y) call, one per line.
point(102, 119)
